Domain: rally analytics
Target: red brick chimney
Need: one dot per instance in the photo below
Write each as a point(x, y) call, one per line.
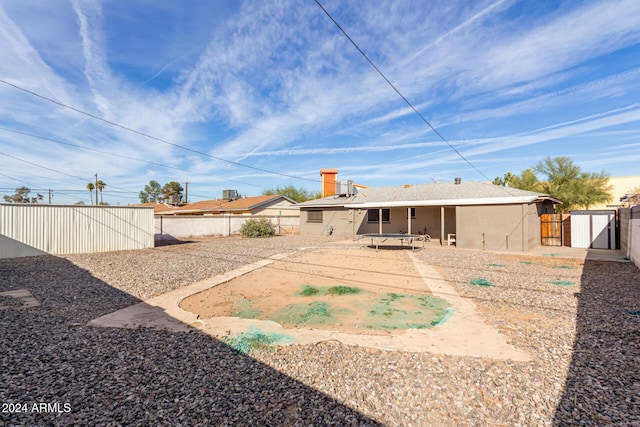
point(328, 184)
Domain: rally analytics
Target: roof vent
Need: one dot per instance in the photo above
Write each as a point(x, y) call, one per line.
point(458, 180)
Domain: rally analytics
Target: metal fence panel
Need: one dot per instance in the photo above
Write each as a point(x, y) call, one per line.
point(580, 231)
point(56, 229)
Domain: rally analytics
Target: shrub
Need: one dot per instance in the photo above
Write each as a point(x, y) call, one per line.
point(258, 227)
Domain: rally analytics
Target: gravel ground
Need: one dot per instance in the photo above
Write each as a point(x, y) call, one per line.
point(579, 322)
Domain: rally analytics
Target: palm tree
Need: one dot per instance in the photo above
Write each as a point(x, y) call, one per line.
point(101, 185)
point(91, 187)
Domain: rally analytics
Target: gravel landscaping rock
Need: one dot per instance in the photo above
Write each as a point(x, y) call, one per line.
point(582, 334)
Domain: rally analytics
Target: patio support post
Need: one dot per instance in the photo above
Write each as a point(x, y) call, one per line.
point(380, 220)
point(408, 220)
point(441, 224)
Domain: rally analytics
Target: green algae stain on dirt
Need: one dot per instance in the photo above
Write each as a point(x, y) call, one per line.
point(309, 290)
point(245, 309)
point(405, 311)
point(315, 313)
point(562, 283)
point(350, 308)
point(343, 290)
point(480, 281)
point(256, 340)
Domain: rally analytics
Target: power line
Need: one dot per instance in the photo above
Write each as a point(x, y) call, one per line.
point(124, 190)
point(415, 110)
point(151, 136)
point(36, 190)
point(57, 171)
point(43, 167)
point(122, 156)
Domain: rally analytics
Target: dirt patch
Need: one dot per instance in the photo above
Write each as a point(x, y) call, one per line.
point(347, 290)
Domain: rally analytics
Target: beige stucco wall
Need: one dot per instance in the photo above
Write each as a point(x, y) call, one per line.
point(514, 228)
point(621, 186)
point(341, 219)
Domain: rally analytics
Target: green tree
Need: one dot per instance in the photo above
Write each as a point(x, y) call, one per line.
point(565, 181)
point(91, 187)
point(505, 181)
point(172, 191)
point(101, 184)
point(295, 194)
point(22, 196)
point(151, 192)
point(527, 180)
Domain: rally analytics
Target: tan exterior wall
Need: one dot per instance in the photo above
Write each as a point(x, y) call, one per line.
point(502, 228)
point(533, 232)
point(513, 228)
point(348, 223)
point(621, 186)
point(342, 220)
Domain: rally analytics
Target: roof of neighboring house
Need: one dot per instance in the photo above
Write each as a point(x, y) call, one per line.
point(249, 203)
point(436, 194)
point(216, 206)
point(157, 207)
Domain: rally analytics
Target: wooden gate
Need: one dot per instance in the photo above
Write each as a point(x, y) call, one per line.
point(551, 229)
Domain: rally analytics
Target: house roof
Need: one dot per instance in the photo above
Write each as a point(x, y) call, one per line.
point(157, 206)
point(436, 194)
point(249, 203)
point(216, 205)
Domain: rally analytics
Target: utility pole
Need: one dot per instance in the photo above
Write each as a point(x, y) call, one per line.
point(96, 189)
point(50, 195)
point(186, 193)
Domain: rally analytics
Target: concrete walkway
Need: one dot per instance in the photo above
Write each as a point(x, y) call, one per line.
point(553, 251)
point(581, 253)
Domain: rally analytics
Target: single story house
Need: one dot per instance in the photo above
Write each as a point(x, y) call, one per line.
point(473, 214)
point(272, 205)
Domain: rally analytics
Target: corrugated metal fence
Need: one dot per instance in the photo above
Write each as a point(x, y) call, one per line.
point(36, 229)
point(593, 229)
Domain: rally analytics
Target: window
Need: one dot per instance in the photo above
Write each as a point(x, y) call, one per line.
point(413, 213)
point(314, 216)
point(373, 215)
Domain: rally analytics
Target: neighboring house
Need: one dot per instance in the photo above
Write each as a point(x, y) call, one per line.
point(621, 187)
point(273, 205)
point(223, 217)
point(478, 215)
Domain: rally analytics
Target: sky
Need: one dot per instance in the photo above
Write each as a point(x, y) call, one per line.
point(255, 95)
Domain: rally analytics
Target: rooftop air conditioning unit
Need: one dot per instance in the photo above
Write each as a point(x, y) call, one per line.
point(345, 188)
point(174, 199)
point(230, 194)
